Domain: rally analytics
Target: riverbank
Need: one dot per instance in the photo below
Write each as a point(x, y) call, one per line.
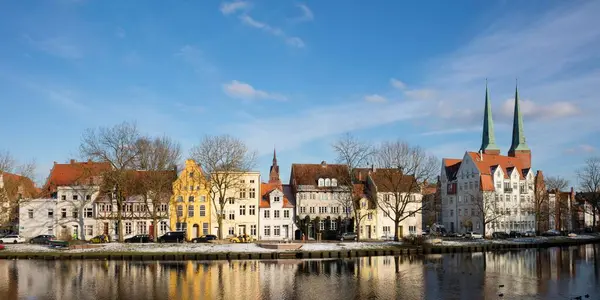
point(121, 251)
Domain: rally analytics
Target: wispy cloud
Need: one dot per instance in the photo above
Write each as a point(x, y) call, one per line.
point(193, 56)
point(58, 46)
point(397, 83)
point(244, 91)
point(556, 110)
point(581, 149)
point(290, 40)
point(228, 8)
point(307, 14)
point(375, 98)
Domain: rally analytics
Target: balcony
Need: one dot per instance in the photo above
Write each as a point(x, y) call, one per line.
point(508, 189)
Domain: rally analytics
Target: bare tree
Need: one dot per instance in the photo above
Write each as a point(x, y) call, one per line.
point(158, 159)
point(225, 160)
point(117, 146)
point(354, 154)
point(589, 181)
point(402, 171)
point(555, 185)
point(16, 185)
point(486, 208)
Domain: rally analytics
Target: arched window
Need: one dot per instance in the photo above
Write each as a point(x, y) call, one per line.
point(334, 182)
point(191, 199)
point(321, 182)
point(327, 182)
point(179, 198)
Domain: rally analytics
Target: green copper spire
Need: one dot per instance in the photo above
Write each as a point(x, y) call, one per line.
point(518, 136)
point(488, 141)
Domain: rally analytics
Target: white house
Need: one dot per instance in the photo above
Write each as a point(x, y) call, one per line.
point(276, 216)
point(240, 214)
point(486, 191)
point(37, 216)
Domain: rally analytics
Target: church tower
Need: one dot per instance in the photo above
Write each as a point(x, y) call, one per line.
point(274, 171)
point(519, 148)
point(488, 140)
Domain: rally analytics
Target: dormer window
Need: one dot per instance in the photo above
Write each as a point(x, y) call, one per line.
point(327, 182)
point(276, 199)
point(333, 182)
point(321, 182)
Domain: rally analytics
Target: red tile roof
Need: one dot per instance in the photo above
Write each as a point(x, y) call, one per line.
point(309, 174)
point(265, 191)
point(388, 179)
point(15, 183)
point(75, 173)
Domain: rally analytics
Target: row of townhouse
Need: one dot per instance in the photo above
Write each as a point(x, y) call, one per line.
point(315, 202)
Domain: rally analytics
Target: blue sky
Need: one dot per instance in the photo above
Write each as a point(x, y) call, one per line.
point(299, 74)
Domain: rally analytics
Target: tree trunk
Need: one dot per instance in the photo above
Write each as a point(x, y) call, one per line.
point(220, 223)
point(396, 225)
point(357, 229)
point(154, 226)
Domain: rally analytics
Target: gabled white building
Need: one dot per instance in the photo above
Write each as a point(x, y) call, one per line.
point(276, 217)
point(240, 214)
point(485, 191)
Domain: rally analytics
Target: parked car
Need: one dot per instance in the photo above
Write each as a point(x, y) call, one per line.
point(140, 238)
point(473, 235)
point(347, 236)
point(2, 247)
point(13, 238)
point(172, 237)
point(529, 234)
point(43, 239)
point(99, 239)
point(204, 239)
point(515, 234)
point(242, 239)
point(500, 235)
point(551, 232)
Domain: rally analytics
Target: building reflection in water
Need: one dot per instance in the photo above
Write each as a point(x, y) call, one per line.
point(525, 274)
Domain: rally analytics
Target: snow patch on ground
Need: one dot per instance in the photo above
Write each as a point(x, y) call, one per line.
point(347, 246)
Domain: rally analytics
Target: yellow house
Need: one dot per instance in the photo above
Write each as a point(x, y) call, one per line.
point(190, 204)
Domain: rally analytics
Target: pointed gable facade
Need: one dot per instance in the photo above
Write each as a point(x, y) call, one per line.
point(485, 191)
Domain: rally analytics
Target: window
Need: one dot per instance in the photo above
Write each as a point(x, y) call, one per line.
point(243, 194)
point(370, 216)
point(472, 211)
point(276, 230)
point(321, 182)
point(452, 212)
point(30, 213)
point(276, 214)
point(470, 185)
point(50, 213)
point(191, 174)
point(181, 226)
point(163, 227)
point(180, 211)
point(507, 198)
point(333, 182)
point(311, 209)
point(252, 210)
point(75, 197)
point(321, 225)
point(63, 213)
point(242, 181)
point(232, 215)
point(205, 228)
point(276, 199)
point(333, 225)
point(50, 230)
point(190, 211)
point(202, 198)
point(252, 193)
point(302, 209)
point(191, 199)
point(322, 209)
point(267, 230)
point(231, 231)
point(412, 229)
point(335, 210)
point(386, 230)
point(286, 214)
point(89, 230)
point(88, 212)
point(242, 210)
point(312, 196)
point(327, 182)
point(460, 212)
point(191, 187)
point(164, 207)
point(267, 213)
point(127, 228)
point(141, 227)
point(179, 198)
point(252, 230)
point(63, 197)
point(202, 211)
point(76, 230)
point(251, 180)
point(231, 200)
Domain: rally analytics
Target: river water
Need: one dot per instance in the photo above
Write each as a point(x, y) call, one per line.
point(556, 273)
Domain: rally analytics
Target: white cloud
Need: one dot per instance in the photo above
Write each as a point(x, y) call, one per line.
point(375, 98)
point(420, 94)
point(290, 40)
point(583, 148)
point(242, 90)
point(228, 8)
point(58, 46)
point(397, 83)
point(307, 14)
point(537, 111)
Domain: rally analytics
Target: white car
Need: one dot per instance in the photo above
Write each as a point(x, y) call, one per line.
point(474, 235)
point(11, 238)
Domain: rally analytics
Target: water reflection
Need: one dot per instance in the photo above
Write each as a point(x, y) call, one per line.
point(526, 274)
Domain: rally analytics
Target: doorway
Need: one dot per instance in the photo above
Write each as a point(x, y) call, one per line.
point(400, 231)
point(195, 231)
point(286, 233)
point(368, 231)
point(242, 229)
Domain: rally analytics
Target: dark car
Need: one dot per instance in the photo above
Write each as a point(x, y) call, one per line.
point(43, 239)
point(204, 239)
point(500, 235)
point(140, 238)
point(347, 236)
point(551, 232)
point(172, 237)
point(515, 234)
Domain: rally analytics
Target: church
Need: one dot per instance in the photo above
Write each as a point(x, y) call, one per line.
point(485, 191)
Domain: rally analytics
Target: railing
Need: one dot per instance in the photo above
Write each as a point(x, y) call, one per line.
point(508, 189)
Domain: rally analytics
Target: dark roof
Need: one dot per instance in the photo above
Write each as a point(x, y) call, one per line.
point(309, 174)
point(388, 179)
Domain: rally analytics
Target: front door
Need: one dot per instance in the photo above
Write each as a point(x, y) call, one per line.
point(286, 234)
point(105, 228)
point(242, 230)
point(196, 231)
point(368, 231)
point(400, 231)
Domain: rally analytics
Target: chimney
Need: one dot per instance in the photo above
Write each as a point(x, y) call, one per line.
point(480, 156)
point(359, 176)
point(72, 161)
point(373, 169)
point(323, 164)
